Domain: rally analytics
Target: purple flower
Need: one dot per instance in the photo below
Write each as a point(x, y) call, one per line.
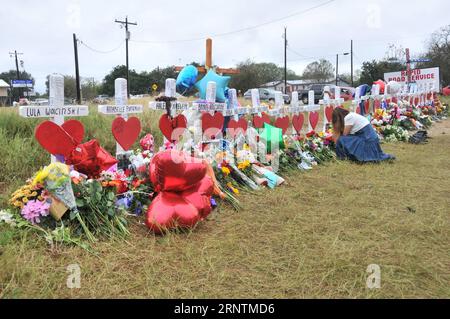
point(124, 202)
point(35, 209)
point(213, 202)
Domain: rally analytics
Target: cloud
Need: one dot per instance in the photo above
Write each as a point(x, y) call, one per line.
point(42, 30)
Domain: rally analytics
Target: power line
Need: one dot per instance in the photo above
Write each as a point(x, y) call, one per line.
point(239, 30)
point(100, 51)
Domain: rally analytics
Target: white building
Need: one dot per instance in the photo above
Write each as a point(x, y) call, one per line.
point(3, 92)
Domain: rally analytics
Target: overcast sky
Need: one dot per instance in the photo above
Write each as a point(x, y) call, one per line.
point(43, 29)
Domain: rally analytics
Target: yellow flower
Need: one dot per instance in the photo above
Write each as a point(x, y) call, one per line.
point(33, 194)
point(40, 177)
point(246, 147)
point(25, 200)
point(226, 170)
point(243, 165)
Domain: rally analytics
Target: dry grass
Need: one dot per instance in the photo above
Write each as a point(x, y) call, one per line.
point(312, 238)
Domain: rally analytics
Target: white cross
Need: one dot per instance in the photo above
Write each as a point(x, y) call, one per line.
point(279, 102)
point(311, 107)
point(170, 91)
point(56, 110)
point(121, 107)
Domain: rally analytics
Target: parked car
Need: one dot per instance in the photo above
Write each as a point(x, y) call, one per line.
point(101, 99)
point(446, 90)
point(267, 95)
point(303, 95)
point(346, 93)
point(40, 101)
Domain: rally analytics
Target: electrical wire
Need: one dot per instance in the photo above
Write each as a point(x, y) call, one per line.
point(100, 51)
point(239, 30)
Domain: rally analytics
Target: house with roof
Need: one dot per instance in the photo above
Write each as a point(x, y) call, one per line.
point(3, 92)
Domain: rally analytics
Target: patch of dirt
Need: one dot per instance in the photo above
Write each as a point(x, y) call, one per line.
point(439, 129)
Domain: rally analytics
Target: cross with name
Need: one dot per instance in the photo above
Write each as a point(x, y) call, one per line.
point(175, 106)
point(56, 110)
point(312, 110)
point(121, 107)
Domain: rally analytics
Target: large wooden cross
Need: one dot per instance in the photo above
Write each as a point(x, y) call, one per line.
point(208, 63)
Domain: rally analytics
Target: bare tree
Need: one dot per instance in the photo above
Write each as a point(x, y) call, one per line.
point(439, 53)
point(320, 71)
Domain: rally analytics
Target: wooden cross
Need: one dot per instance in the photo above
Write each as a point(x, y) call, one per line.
point(208, 63)
point(121, 108)
point(56, 110)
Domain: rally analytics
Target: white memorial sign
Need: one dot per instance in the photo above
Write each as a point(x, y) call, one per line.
point(56, 108)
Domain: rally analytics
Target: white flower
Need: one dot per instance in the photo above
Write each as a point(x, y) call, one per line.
point(7, 217)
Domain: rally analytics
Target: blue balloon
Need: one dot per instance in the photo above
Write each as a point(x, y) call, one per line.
point(221, 84)
point(187, 78)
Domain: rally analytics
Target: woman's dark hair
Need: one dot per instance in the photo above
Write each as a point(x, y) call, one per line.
point(338, 119)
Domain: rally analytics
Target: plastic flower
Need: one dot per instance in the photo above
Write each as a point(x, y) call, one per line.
point(233, 189)
point(243, 165)
point(34, 210)
point(226, 171)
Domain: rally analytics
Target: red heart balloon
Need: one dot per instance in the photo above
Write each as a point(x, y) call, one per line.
point(175, 171)
point(313, 119)
point(282, 123)
point(173, 128)
point(75, 129)
point(297, 122)
point(170, 210)
point(329, 113)
point(258, 121)
point(212, 124)
point(200, 196)
point(126, 132)
point(54, 138)
point(234, 127)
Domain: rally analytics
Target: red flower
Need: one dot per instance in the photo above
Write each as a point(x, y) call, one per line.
point(310, 134)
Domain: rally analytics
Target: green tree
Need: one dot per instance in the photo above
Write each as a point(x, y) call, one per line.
point(320, 71)
point(374, 70)
point(253, 75)
point(15, 93)
point(439, 53)
point(140, 83)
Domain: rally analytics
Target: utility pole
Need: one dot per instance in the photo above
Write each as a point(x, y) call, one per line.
point(337, 68)
point(351, 67)
point(15, 53)
point(285, 60)
point(77, 70)
point(127, 38)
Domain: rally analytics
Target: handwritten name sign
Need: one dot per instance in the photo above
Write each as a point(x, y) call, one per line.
point(49, 111)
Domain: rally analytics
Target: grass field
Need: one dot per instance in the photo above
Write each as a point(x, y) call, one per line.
point(313, 238)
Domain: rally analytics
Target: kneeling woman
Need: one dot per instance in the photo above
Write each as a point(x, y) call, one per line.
point(355, 138)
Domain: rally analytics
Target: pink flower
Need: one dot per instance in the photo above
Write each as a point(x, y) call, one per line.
point(35, 209)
